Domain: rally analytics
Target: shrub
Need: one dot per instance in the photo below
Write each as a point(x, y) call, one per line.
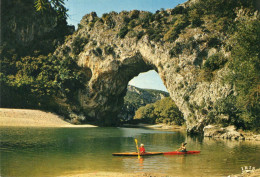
point(196, 22)
point(123, 31)
point(214, 42)
point(97, 51)
point(154, 34)
point(174, 32)
point(108, 20)
point(134, 14)
point(162, 111)
point(140, 34)
point(109, 50)
point(186, 97)
point(146, 19)
point(176, 50)
point(78, 44)
point(221, 8)
point(215, 62)
point(177, 69)
point(178, 10)
point(126, 19)
point(132, 24)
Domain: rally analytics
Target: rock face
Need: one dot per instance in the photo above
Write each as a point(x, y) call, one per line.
point(25, 30)
point(113, 50)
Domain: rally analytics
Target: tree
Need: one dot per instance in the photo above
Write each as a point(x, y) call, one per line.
point(162, 111)
point(57, 5)
point(245, 75)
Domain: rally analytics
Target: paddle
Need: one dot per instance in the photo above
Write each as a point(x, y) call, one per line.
point(137, 148)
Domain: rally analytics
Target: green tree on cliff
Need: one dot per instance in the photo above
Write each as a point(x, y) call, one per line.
point(162, 111)
point(245, 75)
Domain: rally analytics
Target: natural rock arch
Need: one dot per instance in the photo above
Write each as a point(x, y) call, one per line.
point(114, 60)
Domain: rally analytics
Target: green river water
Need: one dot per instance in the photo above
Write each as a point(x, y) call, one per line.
point(33, 152)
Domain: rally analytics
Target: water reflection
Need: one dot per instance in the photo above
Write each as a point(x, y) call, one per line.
point(57, 151)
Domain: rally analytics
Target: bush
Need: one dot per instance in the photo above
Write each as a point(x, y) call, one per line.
point(174, 32)
point(162, 111)
point(126, 19)
point(132, 24)
point(214, 42)
point(186, 97)
point(146, 20)
point(197, 22)
point(215, 62)
point(178, 10)
point(97, 51)
point(109, 50)
point(176, 50)
point(134, 14)
point(108, 20)
point(154, 34)
point(78, 44)
point(221, 8)
point(140, 34)
point(123, 31)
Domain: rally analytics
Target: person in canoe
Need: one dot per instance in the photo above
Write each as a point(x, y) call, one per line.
point(142, 149)
point(182, 148)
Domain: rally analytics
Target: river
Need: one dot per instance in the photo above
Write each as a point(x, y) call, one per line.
point(38, 152)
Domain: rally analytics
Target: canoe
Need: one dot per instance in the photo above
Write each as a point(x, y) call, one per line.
point(136, 154)
point(180, 153)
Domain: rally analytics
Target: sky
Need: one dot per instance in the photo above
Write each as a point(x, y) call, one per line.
point(78, 8)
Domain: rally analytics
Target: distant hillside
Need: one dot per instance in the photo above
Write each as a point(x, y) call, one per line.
point(137, 97)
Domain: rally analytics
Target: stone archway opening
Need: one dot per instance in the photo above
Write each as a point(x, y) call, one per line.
point(144, 89)
point(148, 80)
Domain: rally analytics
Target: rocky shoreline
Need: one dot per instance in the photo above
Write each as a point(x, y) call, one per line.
point(230, 132)
point(248, 173)
point(156, 126)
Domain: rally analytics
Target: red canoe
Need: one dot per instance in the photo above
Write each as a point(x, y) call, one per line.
point(179, 153)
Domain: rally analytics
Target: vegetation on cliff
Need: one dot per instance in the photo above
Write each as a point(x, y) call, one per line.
point(136, 98)
point(30, 76)
point(162, 111)
point(223, 34)
point(244, 108)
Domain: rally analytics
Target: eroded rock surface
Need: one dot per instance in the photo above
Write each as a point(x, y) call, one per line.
point(112, 51)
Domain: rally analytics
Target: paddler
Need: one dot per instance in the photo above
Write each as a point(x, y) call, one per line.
point(182, 148)
point(142, 149)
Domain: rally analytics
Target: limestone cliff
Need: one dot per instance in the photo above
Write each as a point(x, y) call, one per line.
point(175, 42)
point(25, 30)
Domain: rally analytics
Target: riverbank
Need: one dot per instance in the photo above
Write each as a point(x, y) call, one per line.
point(118, 174)
point(230, 132)
point(32, 118)
point(157, 126)
point(255, 173)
